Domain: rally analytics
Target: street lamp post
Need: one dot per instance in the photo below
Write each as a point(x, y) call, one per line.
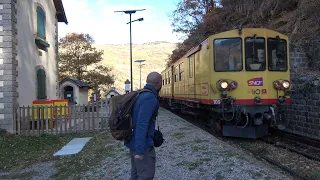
point(140, 19)
point(140, 61)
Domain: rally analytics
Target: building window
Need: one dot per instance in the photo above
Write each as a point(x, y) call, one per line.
point(41, 21)
point(41, 84)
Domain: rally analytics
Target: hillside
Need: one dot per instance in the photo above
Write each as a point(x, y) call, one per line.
point(117, 57)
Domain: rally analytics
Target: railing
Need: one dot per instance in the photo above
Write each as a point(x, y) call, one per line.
point(61, 119)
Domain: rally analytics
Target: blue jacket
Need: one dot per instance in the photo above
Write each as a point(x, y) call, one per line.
point(144, 113)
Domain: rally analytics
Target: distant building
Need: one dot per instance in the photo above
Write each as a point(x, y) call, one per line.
point(74, 90)
point(28, 54)
point(111, 93)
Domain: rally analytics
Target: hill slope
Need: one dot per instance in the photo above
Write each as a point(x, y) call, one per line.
point(117, 57)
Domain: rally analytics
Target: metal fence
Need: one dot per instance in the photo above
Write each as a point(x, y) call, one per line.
point(61, 119)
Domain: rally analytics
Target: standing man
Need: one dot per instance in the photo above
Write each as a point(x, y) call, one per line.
point(144, 113)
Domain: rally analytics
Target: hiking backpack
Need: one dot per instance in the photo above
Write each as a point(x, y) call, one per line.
point(120, 121)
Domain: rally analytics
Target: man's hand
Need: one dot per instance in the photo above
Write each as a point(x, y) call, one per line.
point(139, 157)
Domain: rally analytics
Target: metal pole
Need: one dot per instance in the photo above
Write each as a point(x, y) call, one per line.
point(131, 56)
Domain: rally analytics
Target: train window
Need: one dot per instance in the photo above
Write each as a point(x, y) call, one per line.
point(277, 54)
point(228, 54)
point(255, 49)
point(191, 63)
point(176, 71)
point(169, 77)
point(165, 77)
point(181, 72)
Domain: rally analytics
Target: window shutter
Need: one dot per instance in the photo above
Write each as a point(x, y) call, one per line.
point(41, 79)
point(41, 23)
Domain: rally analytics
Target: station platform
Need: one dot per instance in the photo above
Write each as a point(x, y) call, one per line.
point(192, 153)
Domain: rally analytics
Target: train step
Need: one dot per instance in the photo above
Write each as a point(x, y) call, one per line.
point(189, 105)
point(191, 113)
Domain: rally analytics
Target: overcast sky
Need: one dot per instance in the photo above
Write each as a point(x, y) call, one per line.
point(97, 18)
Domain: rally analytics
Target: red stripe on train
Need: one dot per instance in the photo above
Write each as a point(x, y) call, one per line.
point(237, 101)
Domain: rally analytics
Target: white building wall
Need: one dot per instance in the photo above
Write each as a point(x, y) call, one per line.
point(29, 56)
point(83, 99)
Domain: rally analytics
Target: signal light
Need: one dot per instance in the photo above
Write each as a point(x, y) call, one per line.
point(224, 85)
point(284, 84)
point(233, 85)
point(277, 84)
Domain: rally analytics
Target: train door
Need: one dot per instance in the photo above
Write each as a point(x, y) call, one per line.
point(191, 78)
point(171, 80)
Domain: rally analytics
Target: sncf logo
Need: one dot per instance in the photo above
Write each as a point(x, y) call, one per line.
point(255, 82)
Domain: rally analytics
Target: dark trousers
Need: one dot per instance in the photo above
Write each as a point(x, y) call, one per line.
point(143, 169)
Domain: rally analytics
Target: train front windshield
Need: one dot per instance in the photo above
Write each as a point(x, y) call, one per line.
point(255, 53)
point(277, 54)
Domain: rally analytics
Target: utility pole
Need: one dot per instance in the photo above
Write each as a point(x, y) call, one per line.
point(140, 61)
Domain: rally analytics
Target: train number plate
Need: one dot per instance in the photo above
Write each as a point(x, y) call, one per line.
point(217, 101)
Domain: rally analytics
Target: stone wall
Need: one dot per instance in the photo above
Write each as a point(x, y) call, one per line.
point(303, 115)
point(8, 62)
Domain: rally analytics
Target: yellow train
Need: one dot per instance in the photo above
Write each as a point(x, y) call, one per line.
point(237, 80)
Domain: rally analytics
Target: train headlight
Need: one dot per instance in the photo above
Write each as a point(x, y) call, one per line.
point(285, 84)
point(222, 84)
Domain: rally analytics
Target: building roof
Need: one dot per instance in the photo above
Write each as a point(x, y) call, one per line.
point(61, 15)
point(113, 90)
point(77, 82)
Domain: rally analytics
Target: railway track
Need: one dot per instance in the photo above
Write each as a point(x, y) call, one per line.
point(308, 148)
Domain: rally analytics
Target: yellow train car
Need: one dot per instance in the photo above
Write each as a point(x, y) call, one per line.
point(167, 83)
point(238, 79)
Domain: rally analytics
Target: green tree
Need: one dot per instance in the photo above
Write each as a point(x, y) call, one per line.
point(189, 14)
point(79, 59)
point(188, 18)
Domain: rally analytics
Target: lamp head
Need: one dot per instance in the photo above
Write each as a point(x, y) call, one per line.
point(139, 61)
